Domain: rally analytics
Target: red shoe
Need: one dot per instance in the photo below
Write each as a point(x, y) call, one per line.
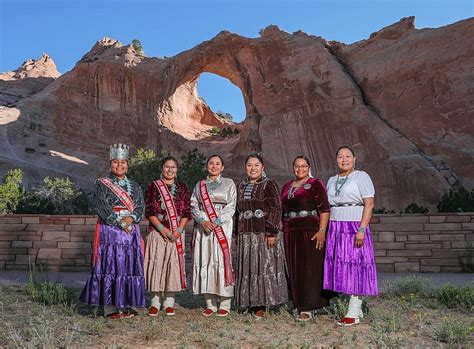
point(222, 313)
point(259, 314)
point(349, 321)
point(208, 312)
point(169, 311)
point(152, 311)
point(119, 316)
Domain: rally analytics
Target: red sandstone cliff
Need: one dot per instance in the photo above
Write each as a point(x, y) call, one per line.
point(403, 98)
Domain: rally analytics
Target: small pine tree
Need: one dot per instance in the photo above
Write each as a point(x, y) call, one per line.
point(11, 191)
point(137, 45)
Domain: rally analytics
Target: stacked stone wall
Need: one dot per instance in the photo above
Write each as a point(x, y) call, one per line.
point(403, 243)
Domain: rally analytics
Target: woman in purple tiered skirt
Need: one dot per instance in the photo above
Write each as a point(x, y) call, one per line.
point(349, 265)
point(117, 279)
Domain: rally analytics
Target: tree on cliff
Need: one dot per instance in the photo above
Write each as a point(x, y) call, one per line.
point(11, 191)
point(137, 45)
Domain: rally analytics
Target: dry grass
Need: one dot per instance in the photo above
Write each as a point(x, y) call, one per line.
point(391, 322)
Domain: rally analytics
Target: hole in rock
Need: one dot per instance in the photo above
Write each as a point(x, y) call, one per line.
point(207, 107)
point(222, 96)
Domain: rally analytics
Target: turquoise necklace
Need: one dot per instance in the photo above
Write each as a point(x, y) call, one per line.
point(340, 183)
point(125, 183)
point(172, 189)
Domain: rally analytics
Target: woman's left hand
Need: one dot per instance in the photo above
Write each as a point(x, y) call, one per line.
point(359, 239)
point(271, 241)
point(320, 238)
point(175, 235)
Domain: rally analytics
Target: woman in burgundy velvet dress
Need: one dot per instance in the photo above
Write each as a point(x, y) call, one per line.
point(305, 219)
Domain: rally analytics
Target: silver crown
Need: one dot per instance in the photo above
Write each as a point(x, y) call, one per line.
point(119, 152)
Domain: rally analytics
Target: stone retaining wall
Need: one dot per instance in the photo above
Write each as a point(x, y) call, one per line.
point(421, 243)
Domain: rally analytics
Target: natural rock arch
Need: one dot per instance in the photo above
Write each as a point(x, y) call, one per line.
point(303, 95)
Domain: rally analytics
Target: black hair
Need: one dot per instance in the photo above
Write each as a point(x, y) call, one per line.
point(168, 158)
point(256, 156)
point(345, 147)
point(302, 157)
point(215, 156)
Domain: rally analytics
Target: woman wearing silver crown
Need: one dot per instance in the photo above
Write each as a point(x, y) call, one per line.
point(117, 280)
point(213, 206)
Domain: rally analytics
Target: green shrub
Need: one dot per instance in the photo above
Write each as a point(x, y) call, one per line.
point(409, 286)
point(454, 296)
point(193, 168)
point(11, 191)
point(453, 332)
point(48, 293)
point(224, 116)
point(55, 196)
point(223, 132)
point(459, 200)
point(414, 208)
point(339, 307)
point(383, 210)
point(389, 322)
point(144, 166)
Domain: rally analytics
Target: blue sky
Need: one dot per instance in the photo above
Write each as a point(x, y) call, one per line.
point(67, 29)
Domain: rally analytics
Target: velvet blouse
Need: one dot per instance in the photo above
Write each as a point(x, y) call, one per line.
point(310, 196)
point(263, 195)
point(154, 207)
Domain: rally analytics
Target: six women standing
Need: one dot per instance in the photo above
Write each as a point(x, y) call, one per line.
point(261, 278)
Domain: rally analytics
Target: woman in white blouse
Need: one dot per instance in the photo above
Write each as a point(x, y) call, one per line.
point(349, 265)
point(213, 205)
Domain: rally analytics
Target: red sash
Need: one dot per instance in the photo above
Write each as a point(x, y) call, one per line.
point(126, 200)
point(122, 194)
point(212, 215)
point(174, 224)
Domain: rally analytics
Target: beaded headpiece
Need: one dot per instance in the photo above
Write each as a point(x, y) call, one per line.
point(119, 152)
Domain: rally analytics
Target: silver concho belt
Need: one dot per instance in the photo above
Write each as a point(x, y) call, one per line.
point(304, 213)
point(346, 204)
point(249, 214)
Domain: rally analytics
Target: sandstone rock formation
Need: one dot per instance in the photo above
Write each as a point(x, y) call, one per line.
point(403, 98)
point(30, 78)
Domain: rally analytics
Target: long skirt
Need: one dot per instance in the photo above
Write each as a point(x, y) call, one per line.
point(162, 271)
point(208, 263)
point(349, 269)
point(305, 268)
point(117, 277)
point(261, 276)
